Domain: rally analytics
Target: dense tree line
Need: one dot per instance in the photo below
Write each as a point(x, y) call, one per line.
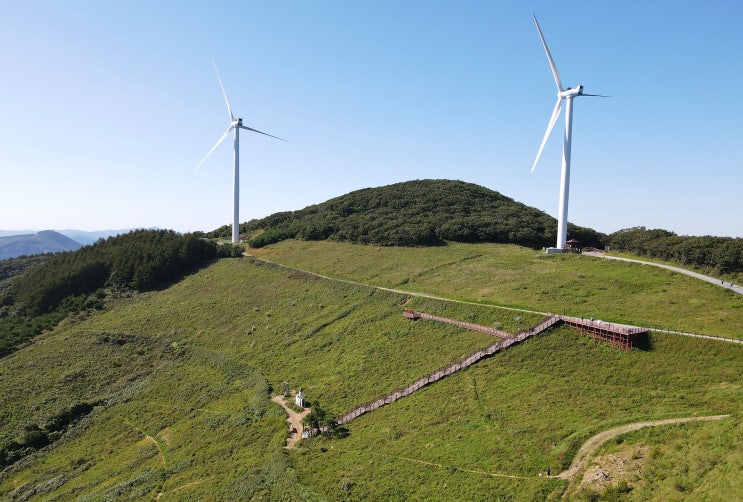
point(142, 260)
point(720, 255)
point(417, 213)
point(12, 268)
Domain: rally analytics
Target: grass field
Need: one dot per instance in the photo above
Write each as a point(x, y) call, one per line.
point(181, 379)
point(513, 276)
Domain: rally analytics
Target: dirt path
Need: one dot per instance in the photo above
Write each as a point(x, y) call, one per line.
point(294, 419)
point(159, 449)
point(147, 437)
point(738, 289)
point(585, 453)
point(182, 487)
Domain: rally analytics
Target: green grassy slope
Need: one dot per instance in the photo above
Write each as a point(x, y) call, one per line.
point(182, 378)
point(514, 276)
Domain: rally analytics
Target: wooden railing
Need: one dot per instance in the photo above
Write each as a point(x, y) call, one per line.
point(447, 370)
point(507, 341)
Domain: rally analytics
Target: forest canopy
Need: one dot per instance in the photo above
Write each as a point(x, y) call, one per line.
point(416, 213)
point(719, 255)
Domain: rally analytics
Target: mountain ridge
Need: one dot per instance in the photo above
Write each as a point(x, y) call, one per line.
point(46, 241)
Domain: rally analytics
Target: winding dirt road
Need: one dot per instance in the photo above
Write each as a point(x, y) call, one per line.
point(585, 453)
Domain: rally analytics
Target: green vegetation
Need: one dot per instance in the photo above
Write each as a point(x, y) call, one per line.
point(527, 410)
point(717, 255)
point(179, 381)
point(38, 293)
point(434, 212)
point(13, 267)
point(16, 329)
point(513, 276)
point(678, 462)
point(416, 213)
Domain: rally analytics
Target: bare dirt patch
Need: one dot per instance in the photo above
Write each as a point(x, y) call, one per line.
point(294, 419)
point(610, 470)
point(589, 447)
point(166, 435)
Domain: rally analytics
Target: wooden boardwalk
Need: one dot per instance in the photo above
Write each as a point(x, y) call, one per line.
point(447, 370)
point(618, 335)
point(410, 314)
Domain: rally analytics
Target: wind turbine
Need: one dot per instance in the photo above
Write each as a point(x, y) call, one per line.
point(236, 124)
point(567, 96)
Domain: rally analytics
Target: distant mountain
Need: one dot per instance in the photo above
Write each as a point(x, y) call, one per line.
point(7, 233)
point(417, 213)
point(85, 238)
point(47, 241)
point(81, 236)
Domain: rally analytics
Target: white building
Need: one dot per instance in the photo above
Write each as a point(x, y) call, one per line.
point(299, 399)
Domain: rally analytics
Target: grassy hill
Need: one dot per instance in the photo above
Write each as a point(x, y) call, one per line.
point(519, 277)
point(175, 384)
point(416, 213)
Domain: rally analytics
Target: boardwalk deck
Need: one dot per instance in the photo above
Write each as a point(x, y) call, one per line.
point(413, 315)
point(619, 336)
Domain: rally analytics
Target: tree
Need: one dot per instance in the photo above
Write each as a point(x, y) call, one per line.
point(320, 420)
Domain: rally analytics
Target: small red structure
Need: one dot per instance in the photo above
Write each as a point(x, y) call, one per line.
point(573, 246)
point(411, 314)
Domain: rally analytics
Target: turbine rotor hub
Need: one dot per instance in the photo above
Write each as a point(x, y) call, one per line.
point(570, 93)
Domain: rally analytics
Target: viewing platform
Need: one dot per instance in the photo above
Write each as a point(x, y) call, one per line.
point(619, 336)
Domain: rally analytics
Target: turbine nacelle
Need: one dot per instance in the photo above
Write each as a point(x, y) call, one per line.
point(571, 93)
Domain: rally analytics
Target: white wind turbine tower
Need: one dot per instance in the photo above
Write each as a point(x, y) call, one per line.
point(567, 96)
point(236, 124)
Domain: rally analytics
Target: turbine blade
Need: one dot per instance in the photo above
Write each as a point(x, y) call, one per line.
point(261, 132)
point(226, 133)
point(229, 110)
point(553, 119)
point(595, 95)
point(549, 56)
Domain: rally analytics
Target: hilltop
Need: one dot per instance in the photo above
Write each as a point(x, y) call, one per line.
point(47, 241)
point(415, 213)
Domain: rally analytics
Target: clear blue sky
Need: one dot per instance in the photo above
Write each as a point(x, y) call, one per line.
point(107, 107)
